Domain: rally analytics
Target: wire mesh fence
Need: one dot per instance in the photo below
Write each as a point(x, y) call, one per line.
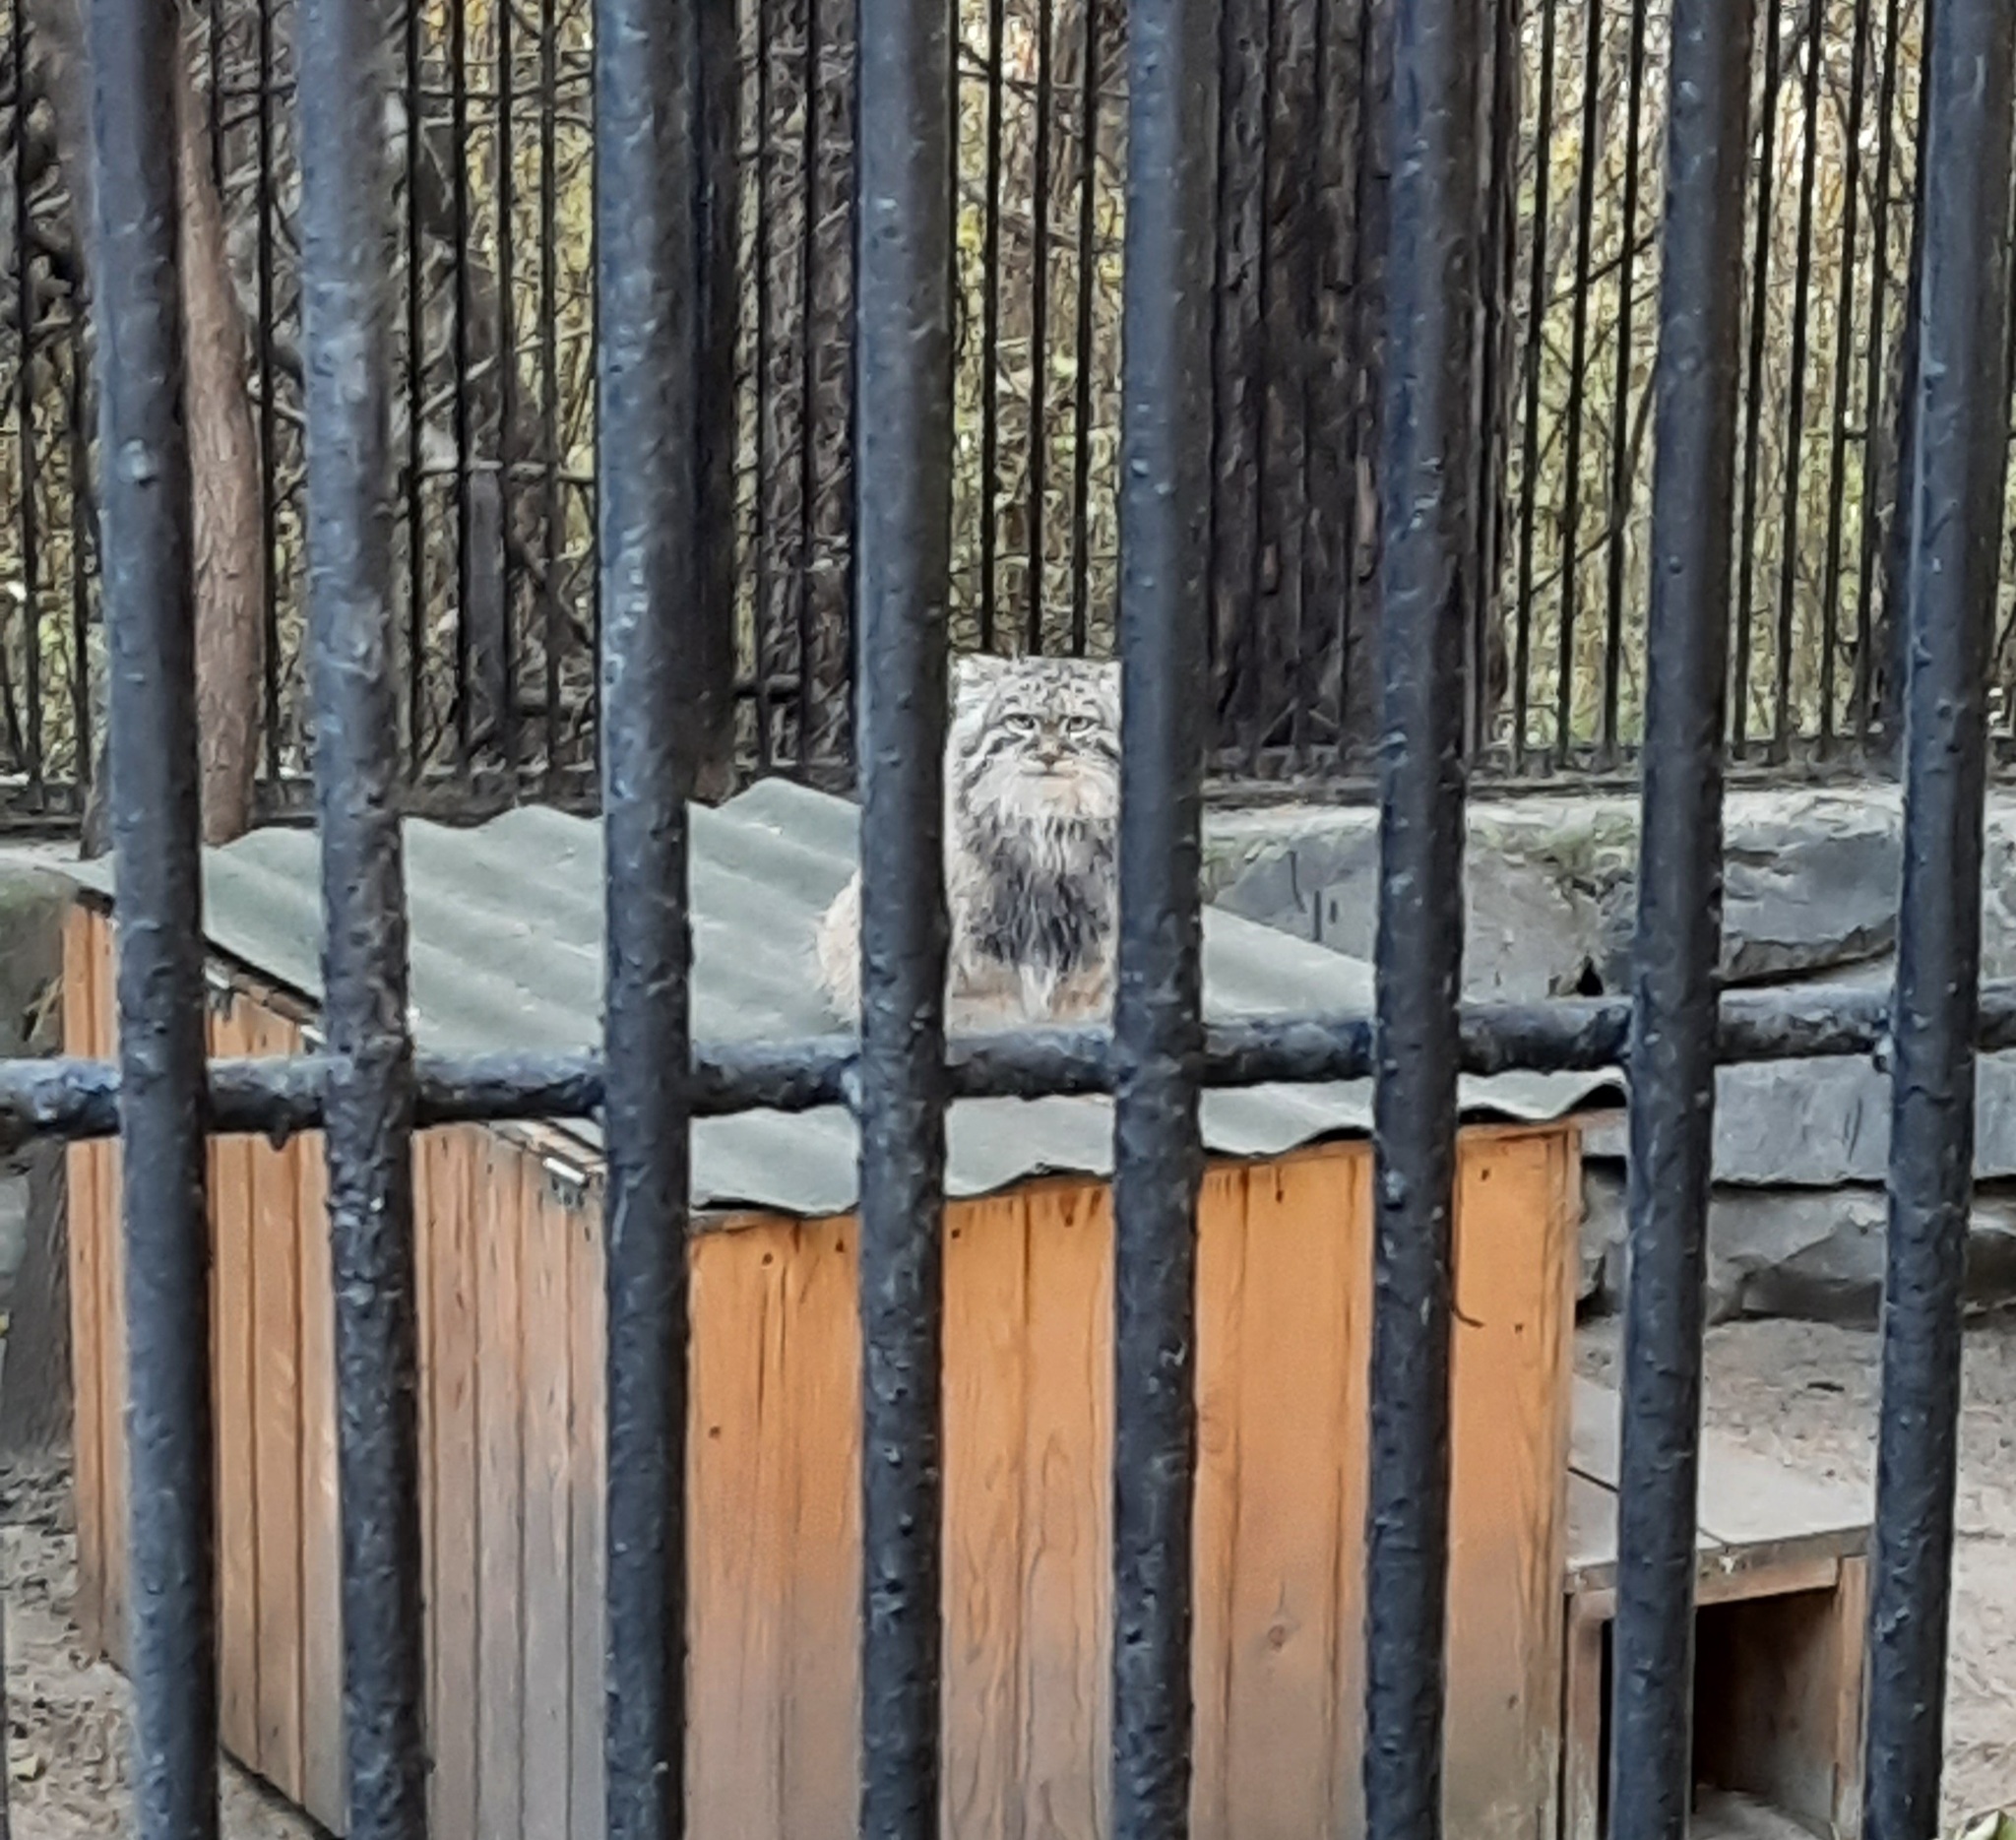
point(494, 433)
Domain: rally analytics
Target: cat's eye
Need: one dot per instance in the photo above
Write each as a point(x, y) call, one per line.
point(1078, 724)
point(1019, 724)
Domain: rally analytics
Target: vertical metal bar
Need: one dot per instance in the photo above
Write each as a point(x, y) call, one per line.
point(1620, 406)
point(1843, 354)
point(25, 407)
point(1680, 913)
point(215, 93)
point(415, 395)
point(904, 535)
point(1951, 502)
point(347, 296)
point(507, 392)
point(990, 327)
point(551, 513)
point(1753, 400)
point(1590, 154)
point(808, 374)
point(464, 307)
point(1087, 355)
point(1535, 357)
point(146, 554)
point(81, 537)
point(766, 319)
point(1428, 430)
point(268, 381)
point(1157, 1032)
point(1867, 577)
point(1037, 459)
point(647, 129)
point(1795, 394)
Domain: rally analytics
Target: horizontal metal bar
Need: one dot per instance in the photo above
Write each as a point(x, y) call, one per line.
point(276, 1096)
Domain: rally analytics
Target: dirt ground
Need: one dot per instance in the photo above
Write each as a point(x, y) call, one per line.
point(1794, 1390)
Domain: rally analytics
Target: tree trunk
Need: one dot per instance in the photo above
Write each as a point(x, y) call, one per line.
point(223, 463)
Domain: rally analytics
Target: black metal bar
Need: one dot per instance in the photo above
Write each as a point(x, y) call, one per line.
point(463, 309)
point(1590, 156)
point(268, 382)
point(1165, 487)
point(1037, 461)
point(416, 100)
point(25, 408)
point(279, 1097)
point(1620, 406)
point(1083, 345)
point(808, 378)
point(648, 283)
point(765, 646)
point(1536, 355)
point(347, 296)
point(1868, 576)
point(1426, 481)
point(1677, 945)
point(552, 514)
point(1843, 355)
point(148, 556)
point(82, 525)
point(904, 545)
point(990, 327)
point(508, 388)
point(1795, 396)
point(1753, 396)
point(1951, 503)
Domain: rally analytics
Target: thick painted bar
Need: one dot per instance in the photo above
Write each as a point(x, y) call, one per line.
point(650, 301)
point(347, 290)
point(151, 716)
point(1678, 941)
point(1157, 1032)
point(1425, 478)
point(904, 537)
point(1950, 506)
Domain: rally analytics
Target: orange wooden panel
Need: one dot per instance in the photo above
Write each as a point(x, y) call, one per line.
point(322, 1732)
point(1510, 1370)
point(232, 1342)
point(548, 1470)
point(444, 1204)
point(500, 1486)
point(585, 1378)
point(88, 1325)
point(112, 1319)
point(277, 1416)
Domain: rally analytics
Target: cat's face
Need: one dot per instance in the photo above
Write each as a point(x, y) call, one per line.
point(1037, 736)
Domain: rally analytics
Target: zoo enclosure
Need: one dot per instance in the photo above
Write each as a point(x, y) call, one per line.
point(494, 423)
point(366, 1090)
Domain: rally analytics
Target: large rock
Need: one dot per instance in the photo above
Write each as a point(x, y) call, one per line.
point(33, 903)
point(1816, 1254)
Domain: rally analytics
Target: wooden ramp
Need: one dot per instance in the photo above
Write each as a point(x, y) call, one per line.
point(1780, 1590)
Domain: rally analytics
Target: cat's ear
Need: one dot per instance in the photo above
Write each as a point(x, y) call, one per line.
point(974, 675)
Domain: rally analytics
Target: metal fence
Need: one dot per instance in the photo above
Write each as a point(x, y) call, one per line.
point(370, 1093)
point(494, 433)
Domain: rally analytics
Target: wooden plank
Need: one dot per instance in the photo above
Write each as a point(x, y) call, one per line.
point(113, 1315)
point(1849, 1612)
point(1301, 1330)
point(744, 1544)
point(89, 1327)
point(237, 1454)
point(585, 1378)
point(548, 1466)
point(324, 1794)
point(447, 1160)
point(1063, 1595)
point(273, 1198)
point(500, 1408)
point(1518, 1197)
point(987, 1310)
point(820, 1729)
point(1582, 1727)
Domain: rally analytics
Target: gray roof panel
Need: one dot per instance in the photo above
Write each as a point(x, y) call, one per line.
point(507, 954)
